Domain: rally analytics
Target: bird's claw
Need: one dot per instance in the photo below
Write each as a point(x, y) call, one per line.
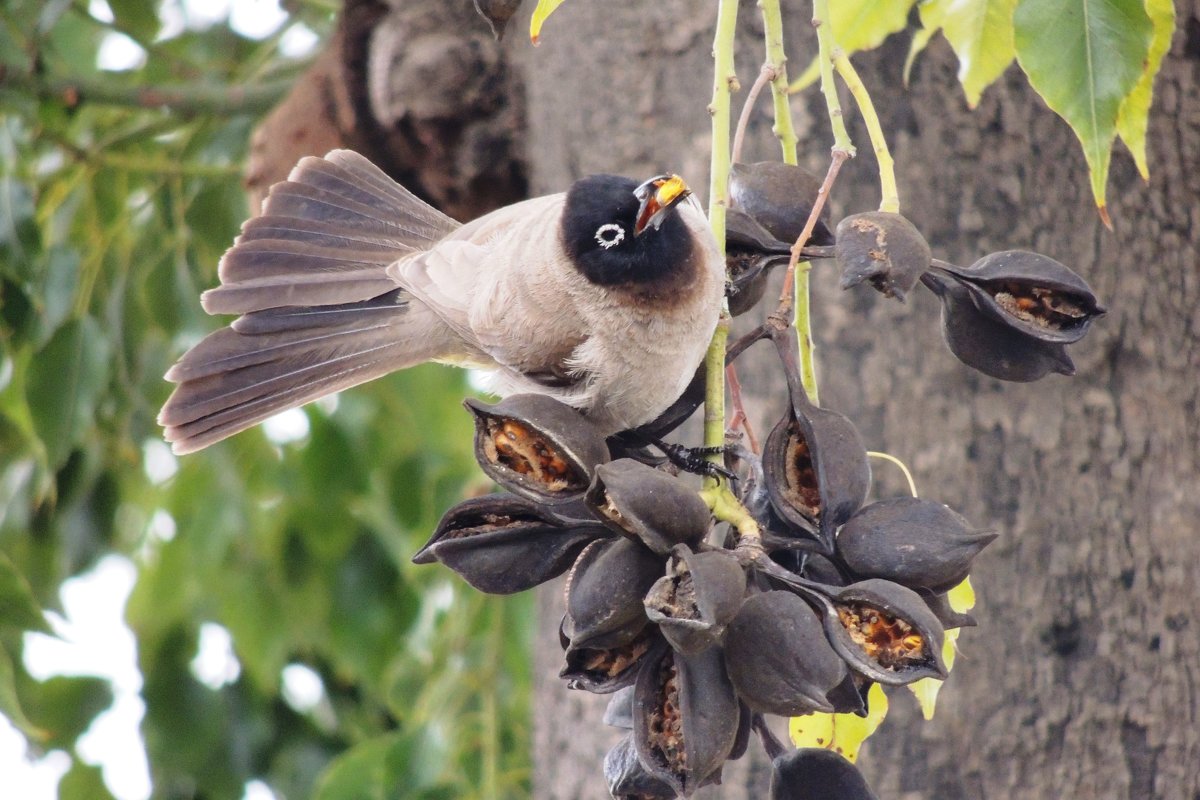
point(695, 459)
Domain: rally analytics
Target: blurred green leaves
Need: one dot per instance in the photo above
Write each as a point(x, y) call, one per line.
point(118, 194)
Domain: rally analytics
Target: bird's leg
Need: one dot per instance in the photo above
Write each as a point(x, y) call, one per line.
point(693, 459)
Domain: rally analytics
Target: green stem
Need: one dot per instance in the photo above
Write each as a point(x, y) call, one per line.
point(784, 130)
point(802, 321)
point(826, 47)
point(183, 99)
point(887, 173)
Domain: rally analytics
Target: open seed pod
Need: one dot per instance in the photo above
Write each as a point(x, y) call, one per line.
point(779, 197)
point(628, 779)
point(1032, 293)
point(604, 666)
point(750, 253)
point(639, 501)
point(883, 630)
point(816, 470)
point(814, 773)
point(503, 544)
point(994, 348)
point(685, 717)
point(697, 597)
point(604, 592)
point(779, 658)
point(884, 249)
point(913, 541)
point(536, 447)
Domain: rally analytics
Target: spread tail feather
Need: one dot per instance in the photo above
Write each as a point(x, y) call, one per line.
point(319, 313)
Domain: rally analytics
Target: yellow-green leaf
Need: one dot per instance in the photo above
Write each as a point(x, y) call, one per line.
point(858, 25)
point(919, 42)
point(841, 733)
point(1083, 57)
point(962, 597)
point(1134, 115)
point(981, 33)
point(544, 9)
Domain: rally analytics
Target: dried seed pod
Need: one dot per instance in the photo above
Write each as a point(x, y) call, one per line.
point(503, 544)
point(884, 249)
point(884, 631)
point(497, 13)
point(913, 541)
point(685, 717)
point(604, 591)
point(619, 711)
point(939, 604)
point(779, 197)
point(814, 773)
point(816, 470)
point(994, 348)
point(778, 657)
point(639, 501)
point(750, 252)
point(1031, 293)
point(697, 597)
point(537, 447)
point(628, 779)
point(604, 666)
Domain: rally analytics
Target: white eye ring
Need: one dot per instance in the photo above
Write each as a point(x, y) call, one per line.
point(618, 235)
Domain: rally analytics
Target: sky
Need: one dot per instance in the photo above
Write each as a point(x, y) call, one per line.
point(90, 637)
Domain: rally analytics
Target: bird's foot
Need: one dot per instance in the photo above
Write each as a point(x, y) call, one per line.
point(695, 459)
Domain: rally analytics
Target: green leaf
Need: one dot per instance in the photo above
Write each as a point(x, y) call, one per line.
point(83, 782)
point(919, 42)
point(18, 607)
point(858, 25)
point(65, 378)
point(1083, 57)
point(10, 704)
point(138, 18)
point(63, 707)
point(1134, 115)
point(543, 9)
point(981, 33)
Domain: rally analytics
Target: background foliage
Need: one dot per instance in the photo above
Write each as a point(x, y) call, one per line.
point(115, 204)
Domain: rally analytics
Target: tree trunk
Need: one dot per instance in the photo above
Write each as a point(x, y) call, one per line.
point(1080, 680)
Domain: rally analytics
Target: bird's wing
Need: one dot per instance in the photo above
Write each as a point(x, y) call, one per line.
point(501, 283)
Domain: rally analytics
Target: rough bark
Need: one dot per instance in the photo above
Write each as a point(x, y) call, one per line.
point(1081, 678)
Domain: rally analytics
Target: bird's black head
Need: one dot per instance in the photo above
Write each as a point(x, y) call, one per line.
point(599, 221)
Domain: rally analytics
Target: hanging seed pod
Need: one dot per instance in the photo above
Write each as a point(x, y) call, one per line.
point(697, 597)
point(685, 717)
point(778, 657)
point(913, 541)
point(497, 13)
point(609, 665)
point(779, 197)
point(750, 253)
point(992, 347)
point(884, 249)
point(884, 631)
point(816, 470)
point(814, 773)
point(939, 604)
point(627, 779)
point(641, 502)
point(502, 544)
point(1032, 293)
point(536, 447)
point(604, 591)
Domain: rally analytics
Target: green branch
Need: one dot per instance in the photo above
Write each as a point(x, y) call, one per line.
point(182, 99)
point(826, 47)
point(887, 174)
point(783, 129)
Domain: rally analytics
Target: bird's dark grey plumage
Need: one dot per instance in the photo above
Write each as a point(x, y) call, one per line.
point(347, 276)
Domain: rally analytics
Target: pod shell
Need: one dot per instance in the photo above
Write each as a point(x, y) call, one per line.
point(814, 773)
point(883, 249)
point(644, 503)
point(697, 597)
point(779, 197)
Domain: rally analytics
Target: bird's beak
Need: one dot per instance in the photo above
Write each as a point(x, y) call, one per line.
point(656, 197)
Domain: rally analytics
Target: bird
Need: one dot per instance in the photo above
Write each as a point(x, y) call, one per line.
point(603, 297)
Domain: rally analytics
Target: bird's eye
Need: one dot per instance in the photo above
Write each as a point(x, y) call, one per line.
point(609, 235)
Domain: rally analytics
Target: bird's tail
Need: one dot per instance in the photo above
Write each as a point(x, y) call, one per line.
point(318, 311)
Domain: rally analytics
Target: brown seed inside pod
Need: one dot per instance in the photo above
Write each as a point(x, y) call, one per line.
point(1043, 307)
point(887, 640)
point(612, 662)
point(516, 447)
point(802, 488)
point(666, 721)
point(486, 524)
